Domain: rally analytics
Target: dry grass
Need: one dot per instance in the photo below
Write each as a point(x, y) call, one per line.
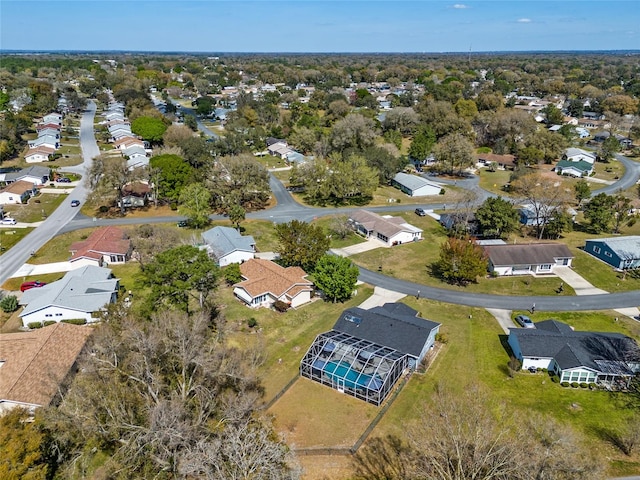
point(312, 415)
point(326, 467)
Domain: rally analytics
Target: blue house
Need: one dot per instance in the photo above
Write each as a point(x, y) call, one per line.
point(619, 252)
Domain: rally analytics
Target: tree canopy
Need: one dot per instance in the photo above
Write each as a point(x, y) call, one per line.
point(336, 277)
point(461, 261)
point(497, 217)
point(301, 244)
point(149, 128)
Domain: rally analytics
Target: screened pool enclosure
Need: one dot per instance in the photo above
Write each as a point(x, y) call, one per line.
point(358, 367)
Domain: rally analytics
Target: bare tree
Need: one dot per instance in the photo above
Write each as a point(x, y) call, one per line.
point(109, 175)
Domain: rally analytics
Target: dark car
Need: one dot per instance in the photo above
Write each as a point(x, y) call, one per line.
point(183, 223)
point(420, 212)
point(75, 203)
point(63, 180)
point(524, 321)
point(29, 285)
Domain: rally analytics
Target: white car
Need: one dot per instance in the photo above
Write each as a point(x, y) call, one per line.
point(9, 221)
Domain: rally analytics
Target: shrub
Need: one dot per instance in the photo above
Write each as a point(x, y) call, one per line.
point(75, 321)
point(252, 322)
point(281, 306)
point(9, 304)
point(575, 384)
point(442, 191)
point(555, 378)
point(584, 385)
point(49, 322)
point(37, 200)
point(103, 209)
point(442, 338)
point(564, 384)
point(34, 325)
point(232, 273)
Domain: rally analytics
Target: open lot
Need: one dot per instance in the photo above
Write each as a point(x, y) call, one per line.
point(9, 236)
point(37, 209)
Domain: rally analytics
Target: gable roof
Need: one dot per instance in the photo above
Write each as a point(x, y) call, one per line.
point(387, 226)
point(225, 240)
point(33, 171)
point(533, 254)
point(500, 159)
point(572, 349)
point(572, 152)
point(580, 165)
point(86, 289)
point(104, 240)
point(18, 187)
point(413, 182)
point(39, 150)
point(627, 248)
point(264, 276)
point(393, 325)
point(36, 362)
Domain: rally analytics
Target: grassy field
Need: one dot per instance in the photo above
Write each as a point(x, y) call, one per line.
point(284, 338)
point(37, 209)
point(475, 354)
point(10, 236)
point(494, 181)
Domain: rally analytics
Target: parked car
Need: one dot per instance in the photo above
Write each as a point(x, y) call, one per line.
point(420, 212)
point(29, 285)
point(75, 203)
point(8, 221)
point(63, 180)
point(524, 321)
point(183, 223)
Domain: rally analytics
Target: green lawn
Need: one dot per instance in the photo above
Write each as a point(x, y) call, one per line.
point(284, 338)
point(37, 209)
point(57, 249)
point(351, 239)
point(10, 236)
point(494, 181)
point(13, 284)
point(475, 354)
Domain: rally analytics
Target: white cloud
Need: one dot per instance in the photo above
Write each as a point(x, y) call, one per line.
point(524, 20)
point(460, 6)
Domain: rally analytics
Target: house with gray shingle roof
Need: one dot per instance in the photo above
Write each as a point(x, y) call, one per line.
point(80, 294)
point(611, 359)
point(579, 155)
point(389, 230)
point(366, 351)
point(521, 259)
point(36, 175)
point(415, 186)
point(619, 252)
point(226, 245)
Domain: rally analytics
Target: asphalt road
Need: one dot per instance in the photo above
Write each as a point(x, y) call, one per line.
point(12, 260)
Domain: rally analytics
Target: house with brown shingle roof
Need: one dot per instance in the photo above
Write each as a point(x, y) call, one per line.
point(389, 230)
point(17, 192)
point(35, 365)
point(265, 282)
point(105, 246)
point(38, 154)
point(521, 259)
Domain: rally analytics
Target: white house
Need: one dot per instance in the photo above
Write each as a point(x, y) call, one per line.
point(227, 246)
point(17, 192)
point(38, 154)
point(35, 175)
point(266, 282)
point(105, 246)
point(574, 169)
point(578, 155)
point(280, 150)
point(80, 294)
point(521, 259)
point(45, 141)
point(415, 186)
point(607, 358)
point(389, 230)
point(52, 118)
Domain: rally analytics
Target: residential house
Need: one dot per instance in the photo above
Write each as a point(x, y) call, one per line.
point(81, 294)
point(17, 193)
point(503, 162)
point(226, 245)
point(620, 252)
point(38, 154)
point(609, 359)
point(579, 155)
point(37, 365)
point(35, 175)
point(574, 169)
point(272, 141)
point(105, 246)
point(45, 141)
point(534, 215)
point(389, 230)
point(280, 150)
point(265, 282)
point(52, 132)
point(55, 118)
point(48, 126)
point(126, 142)
point(521, 259)
point(367, 351)
point(624, 142)
point(415, 186)
point(136, 194)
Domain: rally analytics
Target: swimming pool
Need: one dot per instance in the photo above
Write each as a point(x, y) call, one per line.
point(340, 373)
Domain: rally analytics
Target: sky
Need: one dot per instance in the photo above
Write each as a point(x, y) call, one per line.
point(319, 26)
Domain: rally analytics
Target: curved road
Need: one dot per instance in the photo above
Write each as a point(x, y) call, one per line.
point(287, 208)
point(12, 260)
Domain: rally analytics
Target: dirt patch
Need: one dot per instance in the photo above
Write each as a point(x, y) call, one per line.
point(326, 467)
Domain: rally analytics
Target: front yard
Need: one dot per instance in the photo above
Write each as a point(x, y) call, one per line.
point(38, 208)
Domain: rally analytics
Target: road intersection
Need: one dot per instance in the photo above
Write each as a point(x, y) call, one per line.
point(66, 219)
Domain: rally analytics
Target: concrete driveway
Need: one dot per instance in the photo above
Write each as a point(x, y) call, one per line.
point(370, 244)
point(503, 317)
point(380, 297)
